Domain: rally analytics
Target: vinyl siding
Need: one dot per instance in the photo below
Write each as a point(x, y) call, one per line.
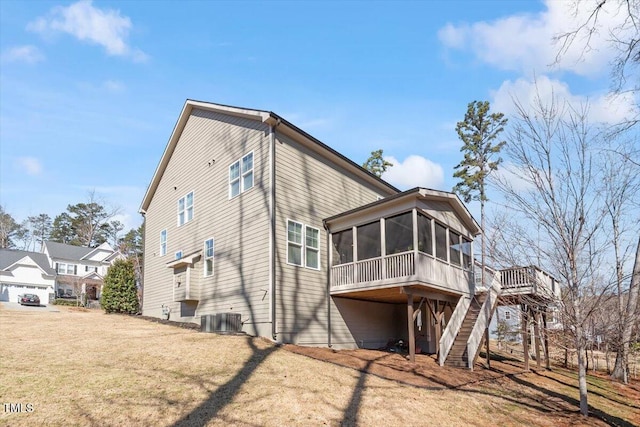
point(308, 189)
point(208, 145)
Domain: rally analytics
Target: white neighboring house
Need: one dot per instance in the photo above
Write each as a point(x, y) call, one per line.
point(23, 272)
point(79, 270)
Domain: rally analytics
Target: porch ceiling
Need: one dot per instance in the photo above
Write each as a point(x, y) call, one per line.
point(398, 294)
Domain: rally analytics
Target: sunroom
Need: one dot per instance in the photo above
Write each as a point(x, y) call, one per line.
point(418, 241)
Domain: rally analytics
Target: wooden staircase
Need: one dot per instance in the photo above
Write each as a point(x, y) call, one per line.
point(458, 354)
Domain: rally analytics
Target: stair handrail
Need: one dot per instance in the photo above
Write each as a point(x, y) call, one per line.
point(484, 318)
point(453, 327)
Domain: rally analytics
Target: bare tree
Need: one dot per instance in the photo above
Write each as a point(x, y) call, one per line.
point(620, 189)
point(551, 148)
point(623, 37)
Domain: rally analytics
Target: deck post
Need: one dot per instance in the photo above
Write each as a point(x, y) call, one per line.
point(525, 335)
point(439, 316)
point(412, 338)
point(546, 340)
point(536, 331)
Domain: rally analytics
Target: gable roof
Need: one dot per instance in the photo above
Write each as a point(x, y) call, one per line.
point(270, 119)
point(64, 251)
point(422, 193)
point(74, 253)
point(10, 257)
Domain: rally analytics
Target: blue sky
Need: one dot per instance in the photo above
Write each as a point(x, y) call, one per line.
point(90, 91)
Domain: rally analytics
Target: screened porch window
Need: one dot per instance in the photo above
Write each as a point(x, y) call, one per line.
point(441, 241)
point(466, 253)
point(399, 233)
point(369, 245)
point(425, 237)
point(454, 248)
point(342, 247)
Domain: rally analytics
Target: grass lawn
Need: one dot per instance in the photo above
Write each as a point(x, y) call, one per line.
point(79, 367)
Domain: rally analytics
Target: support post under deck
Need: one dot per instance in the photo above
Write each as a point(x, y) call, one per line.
point(412, 338)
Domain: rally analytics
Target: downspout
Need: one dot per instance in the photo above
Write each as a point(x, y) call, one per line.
point(329, 261)
point(272, 229)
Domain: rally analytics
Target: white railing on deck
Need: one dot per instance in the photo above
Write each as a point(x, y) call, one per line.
point(342, 275)
point(369, 270)
point(529, 277)
point(453, 326)
point(400, 265)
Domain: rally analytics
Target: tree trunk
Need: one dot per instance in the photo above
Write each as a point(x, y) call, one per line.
point(582, 373)
point(621, 368)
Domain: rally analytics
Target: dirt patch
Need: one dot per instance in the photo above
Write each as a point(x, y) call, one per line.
point(551, 392)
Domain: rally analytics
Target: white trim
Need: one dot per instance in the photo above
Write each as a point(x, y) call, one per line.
point(317, 249)
point(241, 175)
point(205, 257)
point(163, 249)
point(303, 245)
point(186, 208)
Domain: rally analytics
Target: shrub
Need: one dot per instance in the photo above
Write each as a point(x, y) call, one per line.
point(119, 293)
point(69, 302)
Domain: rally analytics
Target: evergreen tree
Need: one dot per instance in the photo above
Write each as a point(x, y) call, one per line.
point(376, 164)
point(478, 132)
point(120, 293)
point(9, 230)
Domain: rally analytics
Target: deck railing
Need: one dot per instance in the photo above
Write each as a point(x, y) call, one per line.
point(422, 267)
point(529, 280)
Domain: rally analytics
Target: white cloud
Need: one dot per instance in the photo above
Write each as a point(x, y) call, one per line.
point(29, 54)
point(414, 171)
point(603, 108)
point(524, 42)
point(31, 165)
point(113, 86)
point(105, 27)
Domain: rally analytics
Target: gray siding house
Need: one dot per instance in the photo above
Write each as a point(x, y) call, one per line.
point(249, 216)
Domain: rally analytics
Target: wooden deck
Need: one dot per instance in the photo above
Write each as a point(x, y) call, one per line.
point(402, 269)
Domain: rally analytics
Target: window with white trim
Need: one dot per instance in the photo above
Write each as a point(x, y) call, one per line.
point(294, 243)
point(312, 247)
point(303, 245)
point(179, 255)
point(88, 268)
point(208, 257)
point(163, 242)
point(185, 209)
point(241, 175)
point(63, 268)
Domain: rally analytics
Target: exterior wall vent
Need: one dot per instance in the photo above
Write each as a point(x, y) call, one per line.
point(223, 323)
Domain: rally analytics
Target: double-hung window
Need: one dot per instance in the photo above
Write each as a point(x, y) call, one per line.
point(208, 257)
point(185, 209)
point(241, 175)
point(63, 268)
point(303, 245)
point(312, 247)
point(163, 242)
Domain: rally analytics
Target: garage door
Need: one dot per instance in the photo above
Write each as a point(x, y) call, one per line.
point(10, 292)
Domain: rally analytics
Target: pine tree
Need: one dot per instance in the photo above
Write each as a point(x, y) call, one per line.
point(120, 294)
point(478, 132)
point(376, 164)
